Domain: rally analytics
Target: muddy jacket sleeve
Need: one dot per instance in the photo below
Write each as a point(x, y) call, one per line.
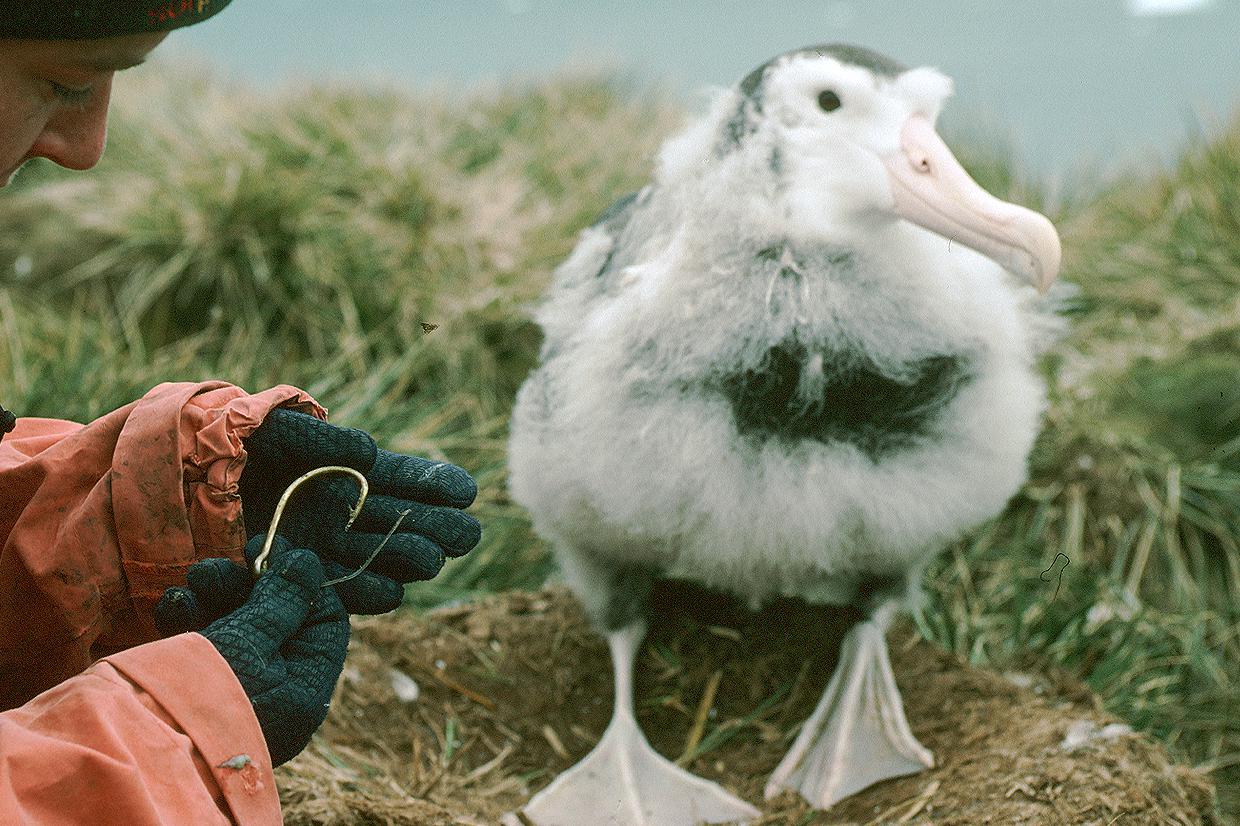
point(161, 733)
point(98, 520)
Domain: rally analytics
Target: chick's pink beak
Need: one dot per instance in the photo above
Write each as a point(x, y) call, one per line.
point(931, 189)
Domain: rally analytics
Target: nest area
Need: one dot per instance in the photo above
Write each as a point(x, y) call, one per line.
point(515, 688)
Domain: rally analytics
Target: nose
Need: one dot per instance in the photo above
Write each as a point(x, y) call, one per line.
point(75, 136)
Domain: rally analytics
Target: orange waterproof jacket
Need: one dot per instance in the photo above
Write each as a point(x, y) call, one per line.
point(96, 522)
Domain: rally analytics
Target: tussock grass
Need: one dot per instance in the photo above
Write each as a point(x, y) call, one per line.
point(1136, 477)
point(308, 239)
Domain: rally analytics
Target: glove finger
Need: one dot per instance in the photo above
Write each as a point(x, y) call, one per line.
point(299, 442)
point(282, 596)
point(365, 593)
point(406, 557)
point(422, 480)
point(221, 586)
point(453, 530)
point(178, 612)
point(327, 608)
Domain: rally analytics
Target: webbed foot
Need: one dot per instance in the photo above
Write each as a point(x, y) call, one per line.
point(624, 781)
point(858, 734)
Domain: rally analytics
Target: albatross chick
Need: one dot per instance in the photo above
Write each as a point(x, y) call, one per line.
point(797, 363)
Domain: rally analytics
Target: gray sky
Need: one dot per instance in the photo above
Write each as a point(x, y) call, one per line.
point(1079, 86)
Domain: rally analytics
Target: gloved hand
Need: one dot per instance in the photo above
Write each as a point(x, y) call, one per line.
point(285, 638)
point(288, 444)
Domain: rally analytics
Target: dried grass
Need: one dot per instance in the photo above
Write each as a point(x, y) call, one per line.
point(517, 687)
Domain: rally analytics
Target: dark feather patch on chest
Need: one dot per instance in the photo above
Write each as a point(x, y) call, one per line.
point(856, 404)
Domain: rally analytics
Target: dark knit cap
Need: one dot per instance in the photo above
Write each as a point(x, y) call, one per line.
point(92, 19)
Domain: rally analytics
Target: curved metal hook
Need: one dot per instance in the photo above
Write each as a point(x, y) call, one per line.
point(260, 561)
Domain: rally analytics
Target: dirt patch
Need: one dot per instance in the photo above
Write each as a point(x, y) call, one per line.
point(516, 688)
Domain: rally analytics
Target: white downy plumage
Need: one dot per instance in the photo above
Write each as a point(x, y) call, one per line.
point(781, 369)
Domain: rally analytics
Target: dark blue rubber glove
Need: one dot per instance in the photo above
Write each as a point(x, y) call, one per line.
point(286, 639)
point(213, 589)
point(289, 443)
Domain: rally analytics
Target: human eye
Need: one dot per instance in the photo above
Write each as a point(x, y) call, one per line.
point(70, 96)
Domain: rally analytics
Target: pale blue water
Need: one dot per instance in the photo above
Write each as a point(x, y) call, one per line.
point(1079, 86)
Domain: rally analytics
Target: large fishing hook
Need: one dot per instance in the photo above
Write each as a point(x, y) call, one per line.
point(260, 561)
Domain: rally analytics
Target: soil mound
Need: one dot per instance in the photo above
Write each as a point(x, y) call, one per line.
point(515, 688)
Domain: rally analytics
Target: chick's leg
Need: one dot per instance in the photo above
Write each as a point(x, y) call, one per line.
point(858, 734)
point(624, 781)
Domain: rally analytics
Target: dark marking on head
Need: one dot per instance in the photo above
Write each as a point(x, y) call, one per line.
point(877, 63)
point(857, 403)
point(744, 119)
point(752, 82)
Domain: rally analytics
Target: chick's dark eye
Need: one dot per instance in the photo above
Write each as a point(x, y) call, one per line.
point(828, 101)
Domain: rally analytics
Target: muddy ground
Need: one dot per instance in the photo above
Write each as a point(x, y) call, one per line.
point(517, 687)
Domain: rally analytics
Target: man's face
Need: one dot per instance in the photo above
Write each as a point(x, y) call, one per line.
point(54, 97)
